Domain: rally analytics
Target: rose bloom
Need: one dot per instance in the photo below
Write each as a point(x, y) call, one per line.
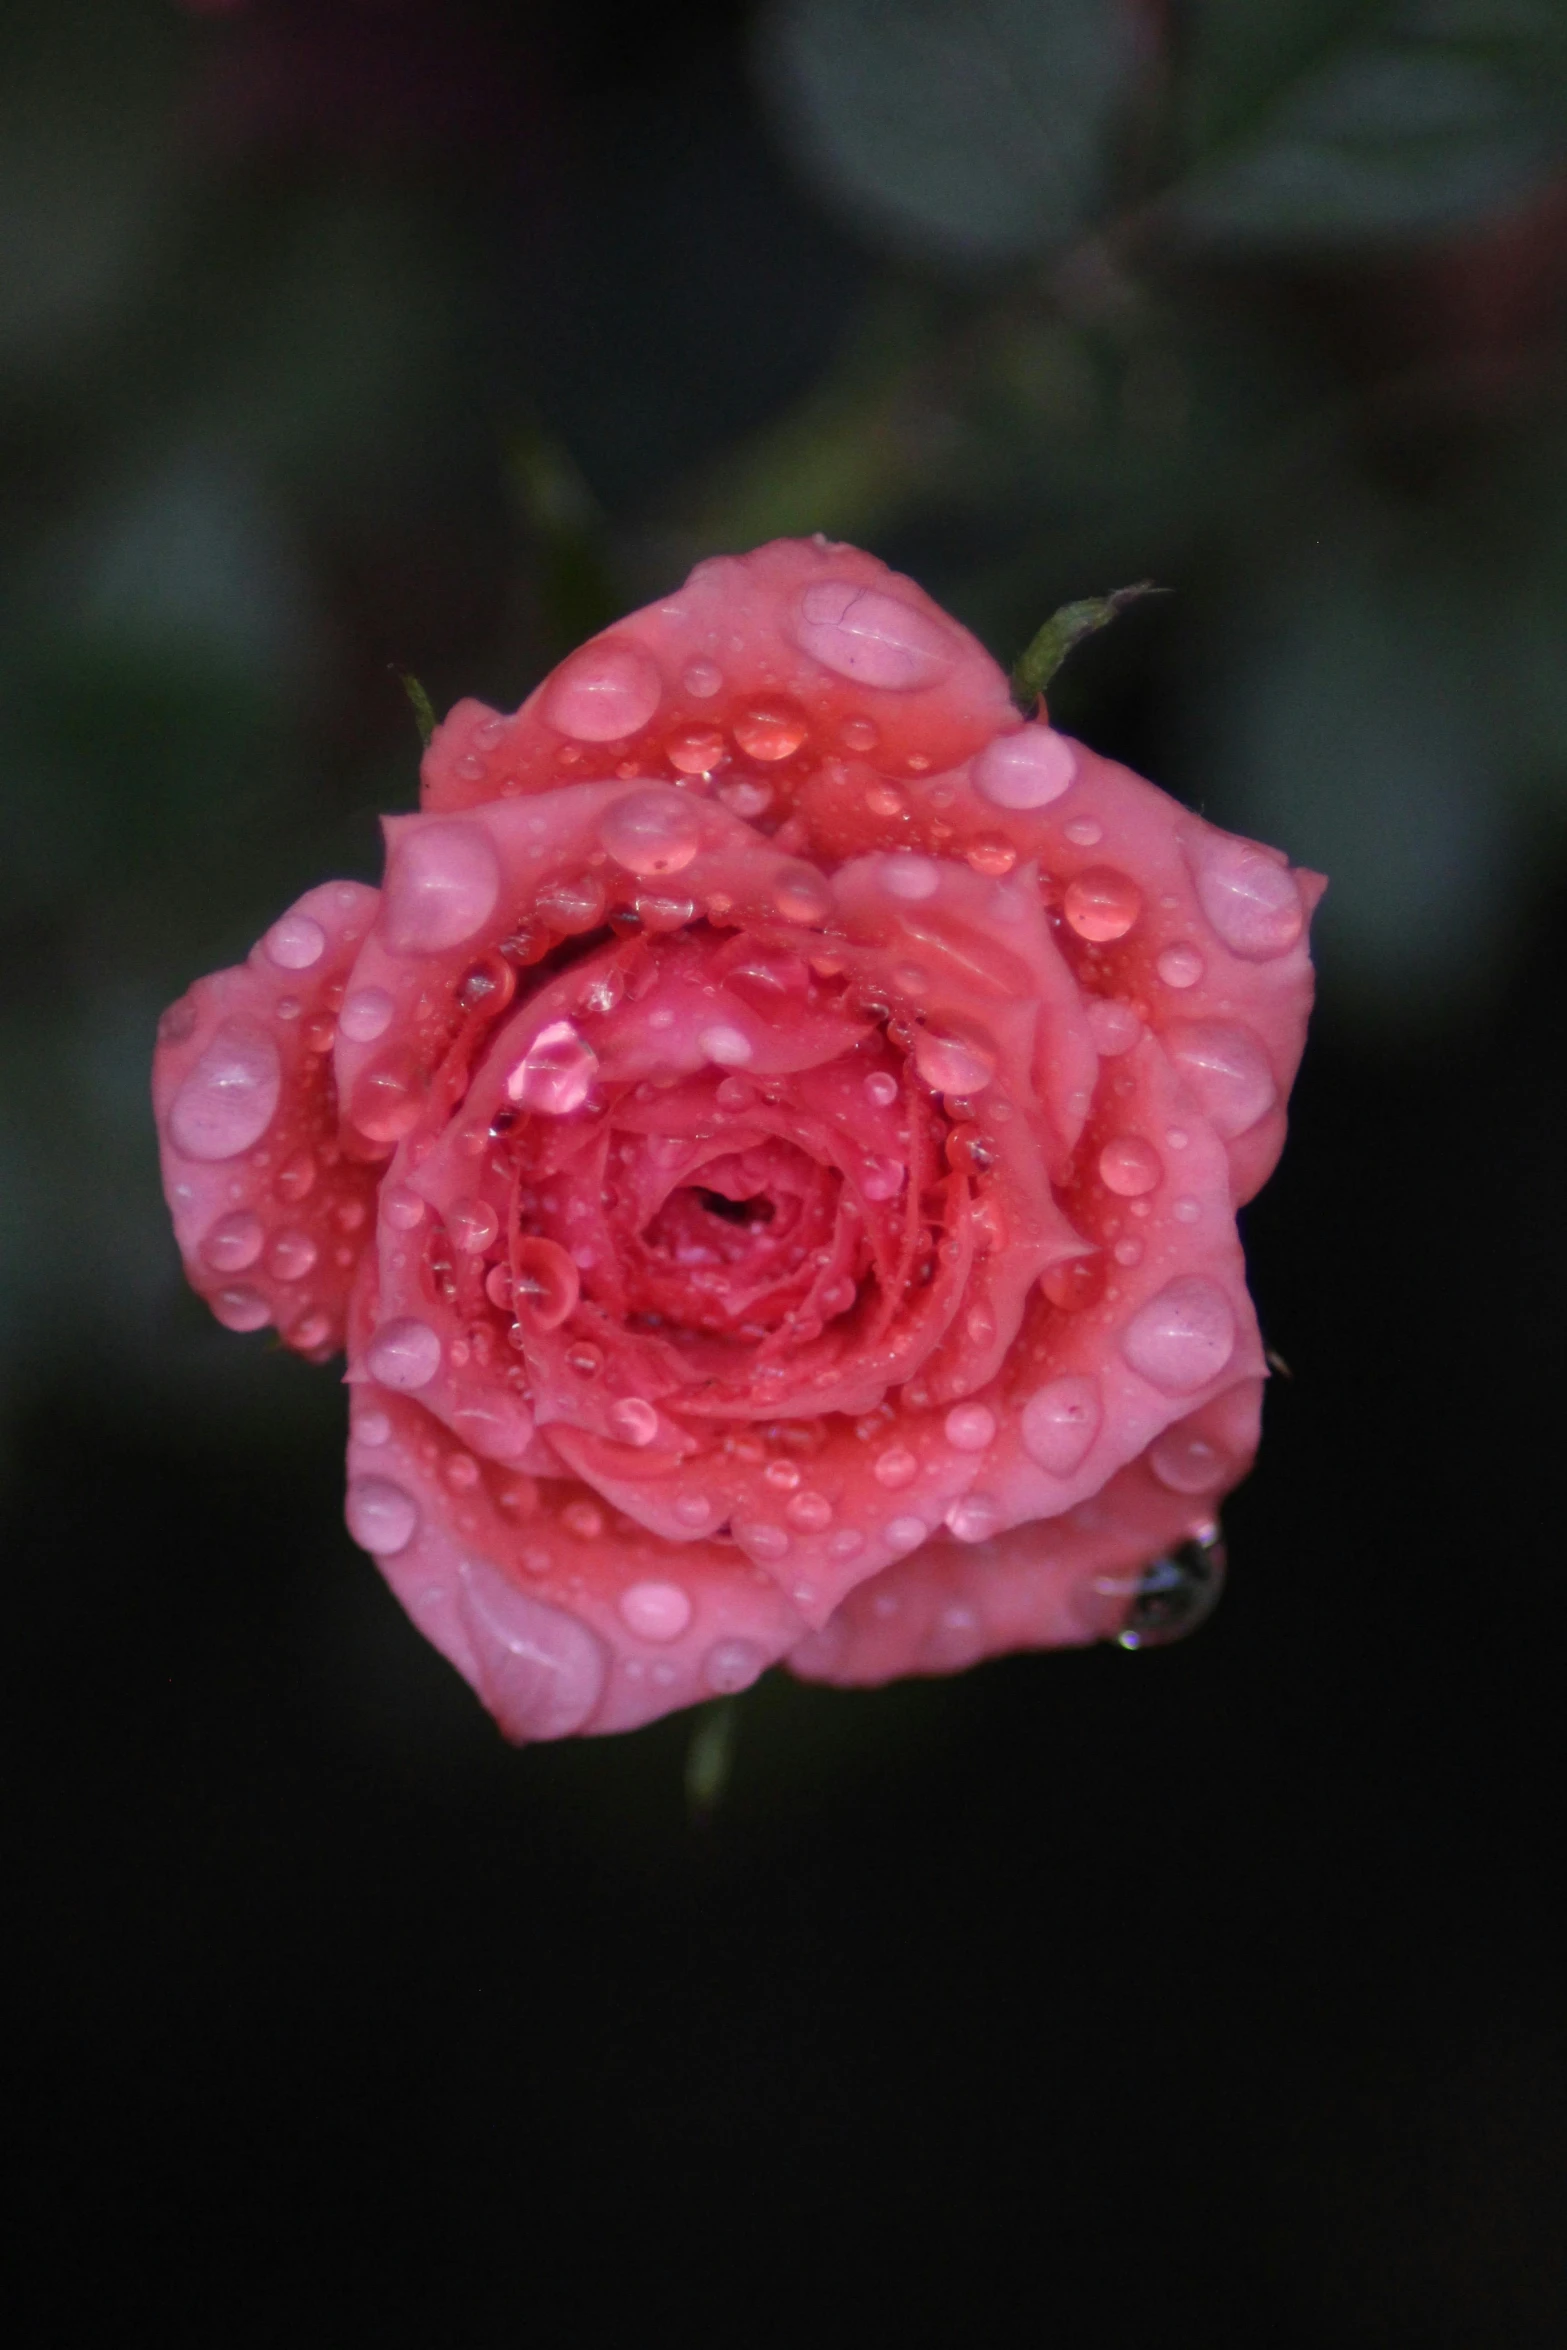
point(771, 1150)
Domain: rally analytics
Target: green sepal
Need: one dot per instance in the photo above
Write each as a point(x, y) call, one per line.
point(422, 706)
point(1064, 629)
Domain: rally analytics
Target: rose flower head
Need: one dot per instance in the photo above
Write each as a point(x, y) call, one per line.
point(770, 1150)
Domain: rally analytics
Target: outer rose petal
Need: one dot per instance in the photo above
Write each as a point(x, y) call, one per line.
point(1055, 1583)
point(270, 1215)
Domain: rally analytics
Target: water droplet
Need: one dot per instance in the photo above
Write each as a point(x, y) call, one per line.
point(366, 1015)
point(296, 1178)
point(1025, 770)
point(373, 1428)
point(573, 903)
point(991, 855)
point(652, 833)
point(557, 1071)
point(693, 1509)
point(1128, 1252)
point(229, 1099)
point(1075, 1282)
point(1101, 904)
point(746, 799)
point(604, 692)
point(656, 1611)
point(974, 1517)
point(881, 1088)
point(1186, 1210)
point(953, 1064)
point(584, 1519)
point(665, 913)
point(381, 1516)
point(1128, 1166)
point(388, 1100)
point(1114, 1026)
point(1176, 1593)
point(545, 1288)
point(541, 1673)
point(291, 1256)
point(1180, 965)
point(1228, 1071)
point(911, 877)
point(234, 1242)
point(762, 1540)
point(1185, 1461)
point(1182, 1337)
point(295, 943)
point(473, 1224)
point(732, 1665)
point(404, 1354)
point(896, 1467)
point(1059, 1423)
point(241, 1309)
point(970, 1427)
point(882, 1178)
point(697, 751)
point(783, 1476)
point(885, 799)
point(729, 1047)
point(702, 679)
point(1083, 832)
point(402, 1208)
point(770, 731)
point(633, 1420)
point(810, 1511)
point(1249, 897)
point(904, 1533)
point(873, 638)
point(441, 886)
point(801, 895)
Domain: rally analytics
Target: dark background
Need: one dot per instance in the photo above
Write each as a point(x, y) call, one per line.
point(1211, 1995)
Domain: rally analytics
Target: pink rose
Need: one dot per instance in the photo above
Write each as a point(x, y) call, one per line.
point(772, 1148)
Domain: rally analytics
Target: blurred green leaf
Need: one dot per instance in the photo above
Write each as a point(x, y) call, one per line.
point(1345, 122)
point(978, 130)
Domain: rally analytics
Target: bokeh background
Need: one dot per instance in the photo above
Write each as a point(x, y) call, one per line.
point(1213, 1995)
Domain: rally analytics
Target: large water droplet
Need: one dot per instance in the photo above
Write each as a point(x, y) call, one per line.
point(1176, 1593)
point(770, 731)
point(1249, 897)
point(729, 1047)
point(633, 1420)
point(1228, 1071)
point(1059, 1423)
point(1025, 770)
point(871, 637)
point(241, 1309)
point(366, 1015)
point(1101, 904)
point(911, 877)
point(545, 1285)
point(1114, 1026)
point(229, 1099)
point(1182, 1337)
point(557, 1071)
point(969, 1427)
point(573, 904)
point(1180, 965)
point(1128, 1166)
point(295, 943)
point(291, 1256)
point(651, 833)
point(609, 689)
point(234, 1242)
point(473, 1224)
point(974, 1517)
point(404, 1354)
point(896, 1467)
point(801, 894)
point(381, 1516)
point(696, 750)
point(953, 1064)
point(732, 1665)
point(541, 1673)
point(656, 1611)
point(904, 1533)
point(1185, 1461)
point(702, 679)
point(441, 887)
point(881, 1087)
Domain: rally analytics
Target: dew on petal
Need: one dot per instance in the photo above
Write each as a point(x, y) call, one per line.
point(295, 943)
point(1228, 1071)
point(241, 1309)
point(881, 1087)
point(1101, 904)
point(573, 904)
point(1084, 832)
point(991, 855)
point(974, 1517)
point(696, 751)
point(656, 1611)
point(1183, 1337)
point(953, 1064)
point(910, 877)
point(584, 1519)
point(770, 731)
point(556, 1073)
point(810, 1511)
point(230, 1097)
point(651, 833)
point(402, 1207)
point(801, 894)
point(1128, 1166)
point(1025, 770)
point(1176, 1593)
point(373, 1428)
point(388, 1100)
point(296, 1178)
point(1180, 965)
point(633, 1420)
point(1249, 897)
point(882, 1178)
point(1059, 1423)
point(366, 1014)
point(1074, 1282)
point(404, 1354)
point(291, 1256)
point(904, 1533)
point(1114, 1026)
point(473, 1224)
point(381, 1517)
point(729, 1047)
point(608, 690)
point(693, 1509)
point(545, 1286)
point(442, 885)
point(1186, 1210)
point(1185, 1461)
point(871, 637)
point(895, 1468)
point(234, 1242)
point(969, 1427)
point(732, 1665)
point(762, 1540)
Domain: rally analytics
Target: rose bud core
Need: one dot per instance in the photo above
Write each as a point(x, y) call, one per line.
point(770, 1149)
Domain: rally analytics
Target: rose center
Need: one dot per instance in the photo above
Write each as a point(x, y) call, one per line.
point(745, 1212)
